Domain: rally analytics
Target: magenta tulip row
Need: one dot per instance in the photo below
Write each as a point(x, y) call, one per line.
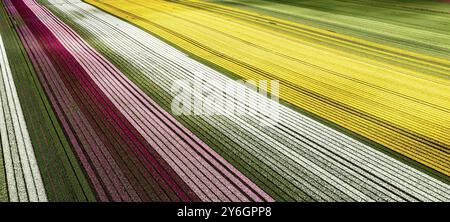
point(130, 148)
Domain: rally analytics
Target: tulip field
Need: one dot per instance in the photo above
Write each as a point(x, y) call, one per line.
point(86, 101)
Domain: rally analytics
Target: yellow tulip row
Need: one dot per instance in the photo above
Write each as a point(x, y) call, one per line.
point(396, 98)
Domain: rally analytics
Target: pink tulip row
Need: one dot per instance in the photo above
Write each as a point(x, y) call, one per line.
point(130, 148)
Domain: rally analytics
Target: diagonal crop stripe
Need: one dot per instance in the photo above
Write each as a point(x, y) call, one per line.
point(22, 172)
point(89, 109)
point(394, 97)
point(297, 159)
point(155, 157)
point(63, 179)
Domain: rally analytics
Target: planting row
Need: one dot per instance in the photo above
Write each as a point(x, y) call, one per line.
point(87, 112)
point(296, 159)
point(130, 148)
point(23, 178)
point(62, 177)
point(414, 25)
point(396, 98)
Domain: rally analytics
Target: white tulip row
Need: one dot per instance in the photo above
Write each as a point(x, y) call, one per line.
point(23, 178)
point(205, 172)
point(322, 163)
